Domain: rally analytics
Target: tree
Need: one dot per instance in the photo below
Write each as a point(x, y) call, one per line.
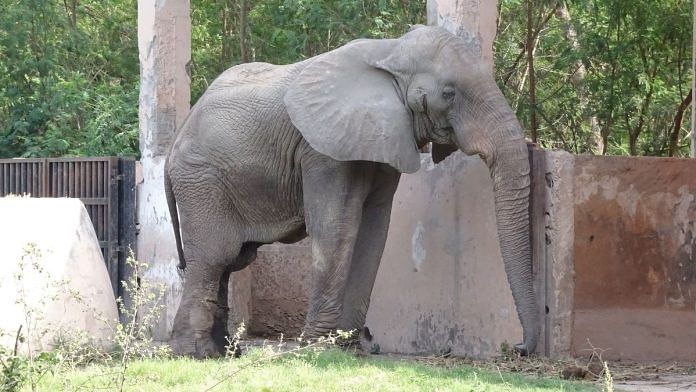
point(68, 78)
point(612, 79)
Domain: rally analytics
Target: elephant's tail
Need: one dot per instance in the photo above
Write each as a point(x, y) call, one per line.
point(173, 213)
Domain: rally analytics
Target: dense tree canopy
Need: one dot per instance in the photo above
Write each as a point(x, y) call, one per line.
point(610, 76)
point(68, 77)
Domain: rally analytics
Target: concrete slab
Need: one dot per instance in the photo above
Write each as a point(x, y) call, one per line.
point(441, 285)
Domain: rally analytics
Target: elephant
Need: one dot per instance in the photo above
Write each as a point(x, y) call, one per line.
point(276, 153)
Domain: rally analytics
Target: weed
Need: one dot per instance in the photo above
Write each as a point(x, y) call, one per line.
point(72, 348)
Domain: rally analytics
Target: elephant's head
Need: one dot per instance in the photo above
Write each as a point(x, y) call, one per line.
point(380, 100)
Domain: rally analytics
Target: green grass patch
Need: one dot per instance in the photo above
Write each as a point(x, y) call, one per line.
point(331, 370)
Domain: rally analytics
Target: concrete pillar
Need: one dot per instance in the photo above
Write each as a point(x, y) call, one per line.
point(164, 42)
point(559, 283)
point(472, 20)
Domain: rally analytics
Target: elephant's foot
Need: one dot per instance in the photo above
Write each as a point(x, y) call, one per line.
point(523, 349)
point(343, 339)
point(197, 346)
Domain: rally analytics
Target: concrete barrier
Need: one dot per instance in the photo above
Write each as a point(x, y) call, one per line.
point(441, 286)
point(50, 258)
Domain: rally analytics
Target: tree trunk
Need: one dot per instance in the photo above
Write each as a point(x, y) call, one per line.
point(530, 65)
point(227, 27)
point(677, 123)
point(243, 30)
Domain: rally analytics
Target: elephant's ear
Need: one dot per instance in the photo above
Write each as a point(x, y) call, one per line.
point(442, 151)
point(350, 109)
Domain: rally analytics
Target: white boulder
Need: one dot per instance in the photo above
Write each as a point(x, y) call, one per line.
point(53, 280)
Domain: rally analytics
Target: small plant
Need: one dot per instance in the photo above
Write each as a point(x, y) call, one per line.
point(267, 353)
point(608, 379)
point(74, 348)
point(27, 363)
point(133, 338)
point(232, 349)
point(14, 366)
point(507, 352)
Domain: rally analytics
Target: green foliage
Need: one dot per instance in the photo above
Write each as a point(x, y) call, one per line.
point(69, 70)
point(68, 78)
point(628, 70)
point(286, 31)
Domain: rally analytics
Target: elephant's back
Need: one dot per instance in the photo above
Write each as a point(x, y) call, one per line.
point(256, 75)
point(240, 126)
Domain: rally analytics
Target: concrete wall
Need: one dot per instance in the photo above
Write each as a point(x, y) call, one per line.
point(635, 257)
point(618, 269)
point(441, 285)
point(164, 43)
point(472, 20)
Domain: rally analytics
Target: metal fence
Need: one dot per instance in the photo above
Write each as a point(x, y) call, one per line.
point(106, 186)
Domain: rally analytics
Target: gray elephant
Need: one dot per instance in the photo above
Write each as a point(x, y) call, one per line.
point(278, 152)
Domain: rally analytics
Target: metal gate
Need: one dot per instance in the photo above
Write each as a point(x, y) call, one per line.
point(106, 186)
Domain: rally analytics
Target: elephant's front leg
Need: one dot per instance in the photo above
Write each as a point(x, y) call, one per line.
point(334, 193)
point(369, 247)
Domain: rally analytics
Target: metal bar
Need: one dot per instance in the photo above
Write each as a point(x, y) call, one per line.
point(21, 187)
point(111, 180)
point(44, 178)
point(66, 179)
point(12, 179)
point(35, 179)
point(88, 180)
point(95, 184)
point(71, 179)
point(3, 183)
point(127, 229)
point(83, 178)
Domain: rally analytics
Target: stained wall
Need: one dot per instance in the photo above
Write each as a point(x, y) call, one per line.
point(635, 257)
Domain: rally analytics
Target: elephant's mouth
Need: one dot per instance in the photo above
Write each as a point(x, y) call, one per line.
point(442, 135)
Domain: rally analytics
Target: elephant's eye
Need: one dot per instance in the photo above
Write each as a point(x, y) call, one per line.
point(448, 93)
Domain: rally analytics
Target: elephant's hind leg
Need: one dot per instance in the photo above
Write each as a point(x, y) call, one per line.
point(210, 246)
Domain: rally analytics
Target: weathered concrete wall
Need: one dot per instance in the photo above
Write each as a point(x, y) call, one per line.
point(472, 20)
point(164, 42)
point(558, 280)
point(280, 281)
point(441, 285)
point(50, 254)
point(635, 257)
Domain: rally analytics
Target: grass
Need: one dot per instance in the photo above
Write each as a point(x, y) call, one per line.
point(331, 370)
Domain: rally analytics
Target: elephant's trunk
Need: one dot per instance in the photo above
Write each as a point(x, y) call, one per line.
point(500, 141)
point(510, 174)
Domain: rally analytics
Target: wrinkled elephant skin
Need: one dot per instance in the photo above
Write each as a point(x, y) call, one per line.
point(278, 152)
